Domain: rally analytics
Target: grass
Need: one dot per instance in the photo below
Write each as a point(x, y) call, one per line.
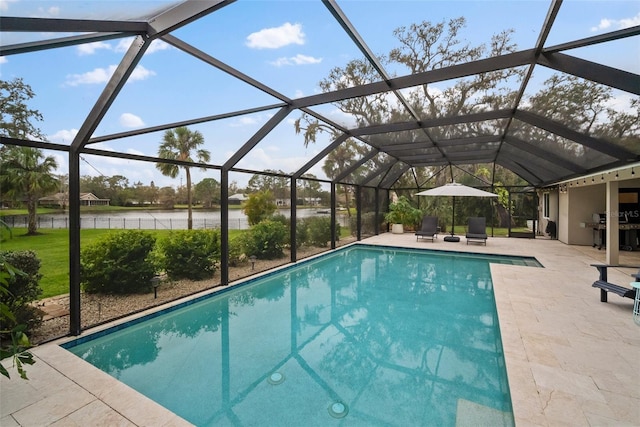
point(461, 230)
point(52, 248)
point(40, 211)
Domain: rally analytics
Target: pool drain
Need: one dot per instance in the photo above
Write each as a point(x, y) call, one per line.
point(338, 410)
point(276, 378)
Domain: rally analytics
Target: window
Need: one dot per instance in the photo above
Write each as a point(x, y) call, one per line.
point(545, 205)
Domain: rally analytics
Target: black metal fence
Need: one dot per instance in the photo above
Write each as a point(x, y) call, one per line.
point(106, 222)
point(131, 223)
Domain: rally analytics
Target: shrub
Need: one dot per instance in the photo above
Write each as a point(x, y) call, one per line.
point(13, 340)
point(190, 254)
point(119, 263)
point(319, 231)
point(281, 219)
point(302, 232)
point(402, 212)
point(284, 221)
point(259, 207)
point(23, 288)
point(265, 240)
point(236, 255)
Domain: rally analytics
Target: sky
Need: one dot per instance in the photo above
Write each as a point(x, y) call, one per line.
point(288, 45)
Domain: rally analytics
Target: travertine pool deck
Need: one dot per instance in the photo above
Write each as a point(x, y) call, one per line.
point(571, 360)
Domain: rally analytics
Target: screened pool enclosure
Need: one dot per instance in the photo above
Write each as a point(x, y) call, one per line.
point(404, 100)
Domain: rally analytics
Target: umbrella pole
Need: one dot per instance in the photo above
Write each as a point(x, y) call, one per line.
point(453, 217)
point(452, 238)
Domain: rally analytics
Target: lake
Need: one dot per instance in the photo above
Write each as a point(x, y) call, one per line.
point(175, 219)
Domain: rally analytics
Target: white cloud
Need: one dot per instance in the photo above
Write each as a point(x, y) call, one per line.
point(136, 152)
point(603, 25)
point(102, 75)
point(97, 75)
point(156, 46)
point(123, 45)
point(52, 11)
point(298, 94)
point(263, 159)
point(617, 24)
point(4, 4)
point(91, 48)
point(3, 60)
point(299, 59)
point(61, 160)
point(276, 37)
point(129, 120)
point(63, 136)
point(110, 166)
point(244, 121)
point(630, 22)
point(621, 103)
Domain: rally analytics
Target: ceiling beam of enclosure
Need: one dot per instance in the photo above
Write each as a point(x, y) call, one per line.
point(565, 132)
point(592, 71)
point(170, 18)
point(63, 42)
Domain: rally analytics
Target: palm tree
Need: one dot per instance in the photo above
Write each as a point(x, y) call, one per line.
point(178, 144)
point(25, 173)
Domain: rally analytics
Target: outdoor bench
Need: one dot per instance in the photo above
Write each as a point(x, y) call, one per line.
point(605, 286)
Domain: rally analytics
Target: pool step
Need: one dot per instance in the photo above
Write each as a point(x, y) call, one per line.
point(473, 414)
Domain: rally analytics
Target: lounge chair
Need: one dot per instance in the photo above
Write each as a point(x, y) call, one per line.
point(429, 229)
point(605, 286)
point(477, 230)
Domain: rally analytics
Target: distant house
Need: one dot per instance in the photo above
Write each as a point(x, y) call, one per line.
point(311, 201)
point(62, 200)
point(90, 199)
point(237, 199)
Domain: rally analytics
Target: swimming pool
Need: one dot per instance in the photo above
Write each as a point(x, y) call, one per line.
point(365, 335)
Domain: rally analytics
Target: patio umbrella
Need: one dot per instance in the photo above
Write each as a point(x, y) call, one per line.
point(454, 190)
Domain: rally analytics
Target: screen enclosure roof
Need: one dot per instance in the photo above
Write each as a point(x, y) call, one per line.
point(533, 94)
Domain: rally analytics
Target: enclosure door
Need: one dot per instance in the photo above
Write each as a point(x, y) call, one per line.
point(524, 221)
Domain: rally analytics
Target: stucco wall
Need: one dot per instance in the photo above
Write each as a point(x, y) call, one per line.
point(578, 200)
point(582, 204)
point(563, 212)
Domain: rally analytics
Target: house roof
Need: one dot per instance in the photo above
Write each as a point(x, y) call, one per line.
point(65, 197)
point(506, 130)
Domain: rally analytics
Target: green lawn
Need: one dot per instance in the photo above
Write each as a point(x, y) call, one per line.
point(52, 247)
point(461, 230)
point(40, 211)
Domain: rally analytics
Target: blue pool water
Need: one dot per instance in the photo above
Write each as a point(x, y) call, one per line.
point(367, 336)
